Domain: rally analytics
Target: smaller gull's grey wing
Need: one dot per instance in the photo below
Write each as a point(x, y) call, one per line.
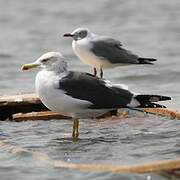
point(112, 50)
point(87, 87)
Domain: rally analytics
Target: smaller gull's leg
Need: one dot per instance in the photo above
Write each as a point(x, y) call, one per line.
point(101, 73)
point(95, 71)
point(77, 128)
point(75, 132)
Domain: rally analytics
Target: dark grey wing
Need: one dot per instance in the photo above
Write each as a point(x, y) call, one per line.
point(112, 50)
point(88, 87)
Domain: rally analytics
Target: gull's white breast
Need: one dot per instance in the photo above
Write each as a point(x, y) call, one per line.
point(55, 99)
point(82, 48)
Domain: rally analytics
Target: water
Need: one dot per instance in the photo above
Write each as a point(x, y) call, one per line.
point(150, 29)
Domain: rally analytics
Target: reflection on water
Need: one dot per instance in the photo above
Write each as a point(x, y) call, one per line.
point(149, 29)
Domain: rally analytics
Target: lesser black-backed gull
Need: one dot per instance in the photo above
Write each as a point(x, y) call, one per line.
point(82, 95)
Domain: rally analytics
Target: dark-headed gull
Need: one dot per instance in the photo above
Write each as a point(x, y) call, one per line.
point(102, 52)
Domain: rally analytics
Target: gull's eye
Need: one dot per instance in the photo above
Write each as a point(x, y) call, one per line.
point(82, 34)
point(44, 60)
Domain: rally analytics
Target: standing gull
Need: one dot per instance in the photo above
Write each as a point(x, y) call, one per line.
point(101, 51)
point(82, 95)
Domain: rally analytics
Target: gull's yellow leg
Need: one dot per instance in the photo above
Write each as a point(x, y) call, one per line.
point(75, 132)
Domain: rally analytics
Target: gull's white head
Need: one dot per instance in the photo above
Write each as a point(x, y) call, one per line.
point(52, 61)
point(78, 34)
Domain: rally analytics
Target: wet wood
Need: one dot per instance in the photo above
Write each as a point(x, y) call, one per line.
point(155, 111)
point(156, 166)
point(46, 115)
point(43, 115)
point(23, 103)
point(18, 100)
point(164, 112)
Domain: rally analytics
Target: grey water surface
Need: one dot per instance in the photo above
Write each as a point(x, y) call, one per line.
point(148, 28)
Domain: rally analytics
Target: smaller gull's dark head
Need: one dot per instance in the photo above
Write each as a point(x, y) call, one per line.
point(78, 34)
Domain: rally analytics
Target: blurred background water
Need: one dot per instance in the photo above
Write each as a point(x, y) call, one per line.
point(148, 28)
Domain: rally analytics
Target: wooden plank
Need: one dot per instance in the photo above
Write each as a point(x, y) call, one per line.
point(21, 99)
point(156, 111)
point(122, 113)
point(164, 112)
point(10, 105)
point(150, 167)
point(43, 115)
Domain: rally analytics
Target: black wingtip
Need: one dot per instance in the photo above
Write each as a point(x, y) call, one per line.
point(155, 105)
point(152, 98)
point(165, 98)
point(146, 60)
point(161, 98)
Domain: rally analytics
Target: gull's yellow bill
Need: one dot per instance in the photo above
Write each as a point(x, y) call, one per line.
point(26, 67)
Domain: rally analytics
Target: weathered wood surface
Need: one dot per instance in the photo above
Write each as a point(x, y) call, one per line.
point(18, 100)
point(23, 103)
point(46, 115)
point(164, 112)
point(43, 115)
point(152, 167)
point(28, 104)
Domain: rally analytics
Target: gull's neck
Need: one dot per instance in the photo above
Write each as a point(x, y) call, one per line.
point(58, 67)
